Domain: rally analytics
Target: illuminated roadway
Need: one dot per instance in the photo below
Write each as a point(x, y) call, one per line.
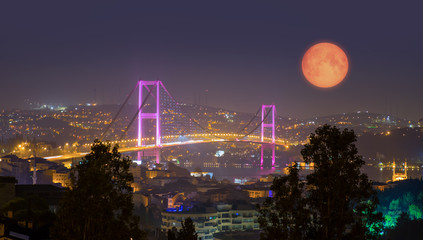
point(134, 149)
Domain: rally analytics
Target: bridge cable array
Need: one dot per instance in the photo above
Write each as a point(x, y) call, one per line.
point(136, 114)
point(251, 120)
point(208, 131)
point(258, 125)
point(184, 112)
point(195, 121)
point(118, 112)
point(198, 124)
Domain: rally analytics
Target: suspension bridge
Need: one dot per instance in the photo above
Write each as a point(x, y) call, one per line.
point(164, 122)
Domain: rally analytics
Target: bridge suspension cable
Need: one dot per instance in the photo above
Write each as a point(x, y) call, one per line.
point(199, 125)
point(207, 130)
point(251, 120)
point(118, 112)
point(184, 113)
point(136, 114)
point(258, 125)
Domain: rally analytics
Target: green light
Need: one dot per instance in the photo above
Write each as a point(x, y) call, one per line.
point(415, 212)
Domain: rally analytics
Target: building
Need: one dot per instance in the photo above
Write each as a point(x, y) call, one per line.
point(136, 172)
point(157, 173)
point(52, 176)
point(258, 193)
point(399, 176)
point(205, 221)
point(50, 193)
point(259, 190)
point(11, 229)
point(202, 174)
point(61, 178)
point(211, 220)
point(11, 165)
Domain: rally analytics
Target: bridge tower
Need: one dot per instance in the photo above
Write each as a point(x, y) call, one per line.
point(264, 114)
point(152, 88)
point(149, 86)
point(264, 109)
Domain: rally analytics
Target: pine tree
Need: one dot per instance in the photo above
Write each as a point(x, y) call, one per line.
point(335, 202)
point(284, 216)
point(339, 192)
point(187, 232)
point(171, 235)
point(98, 204)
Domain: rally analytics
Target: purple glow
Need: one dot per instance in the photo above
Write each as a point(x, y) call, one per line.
point(158, 132)
point(268, 125)
point(140, 84)
point(141, 115)
point(148, 85)
point(157, 155)
point(271, 146)
point(263, 108)
point(261, 157)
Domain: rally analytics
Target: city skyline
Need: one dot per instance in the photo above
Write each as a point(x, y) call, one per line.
point(211, 120)
point(245, 54)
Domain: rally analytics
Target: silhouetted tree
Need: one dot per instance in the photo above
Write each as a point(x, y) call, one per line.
point(285, 216)
point(338, 192)
point(187, 232)
point(335, 202)
point(406, 228)
point(98, 204)
point(171, 234)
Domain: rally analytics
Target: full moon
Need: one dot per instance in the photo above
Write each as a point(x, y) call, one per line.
point(325, 65)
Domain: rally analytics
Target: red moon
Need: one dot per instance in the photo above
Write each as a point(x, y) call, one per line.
point(325, 65)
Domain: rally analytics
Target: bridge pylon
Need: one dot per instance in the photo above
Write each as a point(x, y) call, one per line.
point(153, 89)
point(267, 110)
point(150, 86)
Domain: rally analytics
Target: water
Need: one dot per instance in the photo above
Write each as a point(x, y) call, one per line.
point(385, 174)
point(249, 173)
point(374, 173)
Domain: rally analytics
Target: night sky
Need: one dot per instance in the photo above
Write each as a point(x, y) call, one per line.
point(244, 53)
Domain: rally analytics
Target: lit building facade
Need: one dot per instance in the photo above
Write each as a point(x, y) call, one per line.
point(222, 218)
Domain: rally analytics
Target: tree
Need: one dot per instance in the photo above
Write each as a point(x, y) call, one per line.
point(31, 209)
point(98, 204)
point(336, 201)
point(187, 232)
point(338, 190)
point(171, 234)
point(406, 228)
point(285, 215)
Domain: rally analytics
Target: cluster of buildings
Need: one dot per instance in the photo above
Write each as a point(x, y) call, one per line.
point(72, 129)
point(166, 193)
point(169, 194)
point(212, 220)
point(22, 170)
point(28, 202)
